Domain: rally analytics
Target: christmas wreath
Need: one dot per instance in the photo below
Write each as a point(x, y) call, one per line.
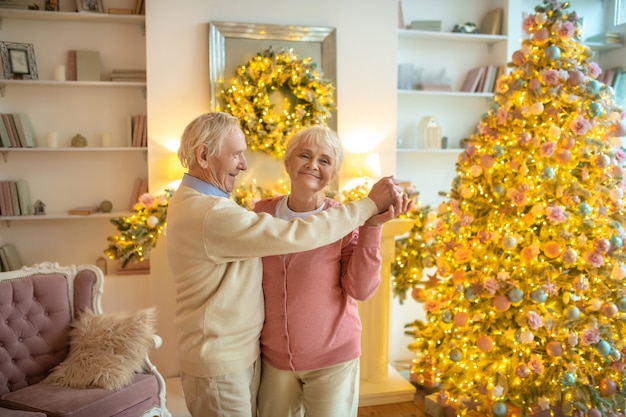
point(308, 98)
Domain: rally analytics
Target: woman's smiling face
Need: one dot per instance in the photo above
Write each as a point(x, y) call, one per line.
point(311, 166)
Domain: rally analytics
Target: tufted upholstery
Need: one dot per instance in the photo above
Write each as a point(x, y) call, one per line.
point(35, 315)
point(37, 306)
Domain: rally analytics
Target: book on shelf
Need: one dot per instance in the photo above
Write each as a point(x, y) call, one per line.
point(25, 130)
point(4, 135)
point(9, 257)
point(11, 131)
point(489, 78)
point(472, 79)
point(15, 201)
point(139, 131)
point(606, 38)
point(83, 210)
point(491, 23)
point(83, 65)
point(134, 75)
point(428, 25)
point(3, 207)
point(14, 4)
point(434, 87)
point(6, 198)
point(23, 194)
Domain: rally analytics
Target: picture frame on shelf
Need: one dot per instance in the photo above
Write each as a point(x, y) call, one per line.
point(18, 61)
point(89, 6)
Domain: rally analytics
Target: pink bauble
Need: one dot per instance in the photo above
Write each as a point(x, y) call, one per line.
point(563, 156)
point(609, 310)
point(502, 303)
point(575, 77)
point(554, 348)
point(601, 245)
point(484, 343)
point(487, 161)
point(461, 318)
point(542, 36)
point(607, 387)
point(594, 412)
point(552, 249)
point(518, 57)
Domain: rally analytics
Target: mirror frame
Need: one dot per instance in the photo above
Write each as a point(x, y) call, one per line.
point(220, 31)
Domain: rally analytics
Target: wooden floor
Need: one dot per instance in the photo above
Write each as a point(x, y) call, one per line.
point(413, 408)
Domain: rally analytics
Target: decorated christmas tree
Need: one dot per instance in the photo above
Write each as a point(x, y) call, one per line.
point(526, 308)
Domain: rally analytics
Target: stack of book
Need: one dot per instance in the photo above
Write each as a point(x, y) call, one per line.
point(9, 258)
point(134, 75)
point(606, 38)
point(83, 65)
point(16, 131)
point(15, 198)
point(138, 130)
point(15, 4)
point(430, 25)
point(482, 79)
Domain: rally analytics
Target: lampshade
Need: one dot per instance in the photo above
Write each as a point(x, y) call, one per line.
point(360, 165)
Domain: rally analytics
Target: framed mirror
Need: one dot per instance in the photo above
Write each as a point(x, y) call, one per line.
point(233, 44)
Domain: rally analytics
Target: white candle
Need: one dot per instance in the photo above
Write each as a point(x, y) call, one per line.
point(52, 140)
point(59, 73)
point(106, 140)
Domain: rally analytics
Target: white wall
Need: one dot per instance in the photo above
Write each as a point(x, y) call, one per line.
point(178, 89)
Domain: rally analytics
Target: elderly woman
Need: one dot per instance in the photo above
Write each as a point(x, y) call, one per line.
point(310, 342)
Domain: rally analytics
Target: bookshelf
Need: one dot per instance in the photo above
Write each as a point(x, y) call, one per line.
point(65, 177)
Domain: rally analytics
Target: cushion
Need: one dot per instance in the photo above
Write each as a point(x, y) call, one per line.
point(106, 350)
point(56, 401)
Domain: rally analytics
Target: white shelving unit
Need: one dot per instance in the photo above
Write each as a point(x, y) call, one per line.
point(449, 56)
point(64, 177)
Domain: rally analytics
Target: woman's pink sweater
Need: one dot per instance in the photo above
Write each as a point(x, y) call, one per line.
point(311, 317)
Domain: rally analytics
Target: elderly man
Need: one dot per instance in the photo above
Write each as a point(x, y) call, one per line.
point(214, 248)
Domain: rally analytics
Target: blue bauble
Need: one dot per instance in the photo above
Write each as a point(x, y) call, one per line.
point(499, 409)
point(584, 209)
point(446, 316)
point(538, 295)
point(616, 242)
point(498, 189)
point(567, 380)
point(621, 304)
point(615, 355)
point(456, 355)
point(553, 52)
point(603, 347)
point(593, 86)
point(469, 294)
point(572, 313)
point(515, 295)
point(547, 173)
point(498, 151)
point(595, 109)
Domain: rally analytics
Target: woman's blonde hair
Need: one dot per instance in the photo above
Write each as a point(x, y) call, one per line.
point(208, 129)
point(319, 135)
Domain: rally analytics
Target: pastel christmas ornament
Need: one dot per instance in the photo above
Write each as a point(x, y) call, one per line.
point(484, 343)
point(501, 303)
point(515, 295)
point(593, 86)
point(569, 256)
point(575, 77)
point(572, 313)
point(538, 295)
point(608, 387)
point(618, 272)
point(509, 242)
point(456, 355)
point(596, 109)
point(609, 310)
point(541, 36)
point(518, 57)
point(594, 412)
point(554, 348)
point(552, 249)
point(461, 319)
point(621, 304)
point(499, 409)
point(567, 379)
point(603, 347)
point(595, 304)
point(526, 336)
point(553, 52)
point(584, 209)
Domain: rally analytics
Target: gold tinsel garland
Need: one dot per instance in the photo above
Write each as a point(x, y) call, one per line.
point(309, 98)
